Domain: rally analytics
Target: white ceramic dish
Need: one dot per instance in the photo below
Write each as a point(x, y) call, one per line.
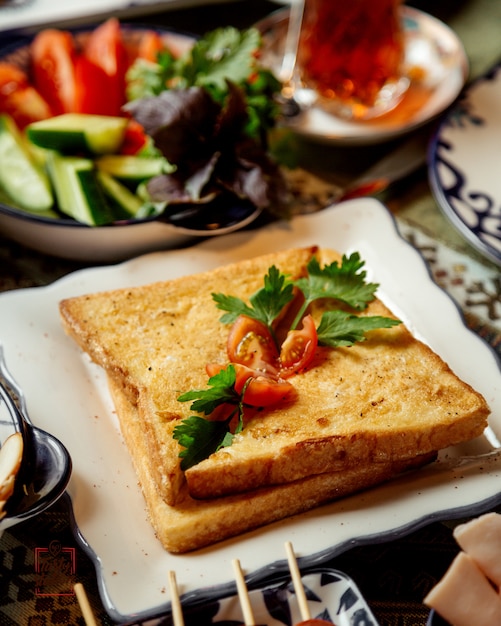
point(67, 395)
point(431, 46)
point(463, 166)
point(69, 239)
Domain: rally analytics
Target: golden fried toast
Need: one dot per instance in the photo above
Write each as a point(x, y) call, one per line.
point(382, 401)
point(192, 524)
point(154, 341)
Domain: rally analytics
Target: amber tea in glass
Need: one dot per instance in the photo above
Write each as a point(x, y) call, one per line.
point(351, 52)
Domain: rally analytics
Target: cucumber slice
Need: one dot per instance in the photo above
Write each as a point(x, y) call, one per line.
point(73, 133)
point(78, 192)
point(20, 177)
point(124, 203)
point(131, 169)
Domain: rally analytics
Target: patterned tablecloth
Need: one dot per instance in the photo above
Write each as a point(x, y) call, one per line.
point(394, 576)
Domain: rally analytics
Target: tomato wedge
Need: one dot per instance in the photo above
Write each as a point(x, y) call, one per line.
point(135, 138)
point(11, 78)
point(150, 44)
point(261, 391)
point(94, 84)
point(250, 343)
point(106, 50)
point(19, 99)
point(53, 57)
point(299, 348)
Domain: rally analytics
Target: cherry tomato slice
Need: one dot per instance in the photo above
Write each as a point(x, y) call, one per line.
point(53, 57)
point(261, 391)
point(105, 49)
point(19, 99)
point(299, 348)
point(250, 343)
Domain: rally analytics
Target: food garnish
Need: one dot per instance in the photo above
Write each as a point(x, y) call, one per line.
point(259, 362)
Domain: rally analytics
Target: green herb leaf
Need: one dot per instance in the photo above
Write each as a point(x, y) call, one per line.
point(224, 54)
point(338, 328)
point(221, 390)
point(200, 438)
point(266, 304)
point(345, 282)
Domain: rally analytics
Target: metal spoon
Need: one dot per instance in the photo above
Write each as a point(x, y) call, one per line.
point(46, 464)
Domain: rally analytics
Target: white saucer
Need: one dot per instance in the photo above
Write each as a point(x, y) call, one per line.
point(439, 68)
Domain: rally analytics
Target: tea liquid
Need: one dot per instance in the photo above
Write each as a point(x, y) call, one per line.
point(350, 50)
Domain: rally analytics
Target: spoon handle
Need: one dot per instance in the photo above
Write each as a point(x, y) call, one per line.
point(14, 412)
point(20, 398)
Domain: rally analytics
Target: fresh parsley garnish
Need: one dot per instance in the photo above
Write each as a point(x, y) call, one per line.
point(344, 283)
point(338, 328)
point(265, 305)
point(201, 437)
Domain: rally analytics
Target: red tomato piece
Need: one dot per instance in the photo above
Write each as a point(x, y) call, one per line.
point(135, 138)
point(19, 99)
point(150, 44)
point(93, 84)
point(299, 348)
point(11, 79)
point(261, 390)
point(105, 48)
point(53, 67)
point(251, 343)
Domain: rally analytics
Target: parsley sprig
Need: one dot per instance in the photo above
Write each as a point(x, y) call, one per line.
point(345, 283)
point(201, 437)
point(265, 305)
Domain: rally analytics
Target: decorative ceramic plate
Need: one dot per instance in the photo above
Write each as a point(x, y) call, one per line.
point(331, 595)
point(464, 160)
point(68, 396)
point(434, 53)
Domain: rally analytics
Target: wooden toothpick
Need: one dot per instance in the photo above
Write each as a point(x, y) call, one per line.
point(297, 582)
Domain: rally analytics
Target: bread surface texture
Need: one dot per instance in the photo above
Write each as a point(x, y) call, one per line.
point(155, 340)
point(194, 524)
point(374, 406)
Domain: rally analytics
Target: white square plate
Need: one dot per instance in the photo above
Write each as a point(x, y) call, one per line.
point(67, 396)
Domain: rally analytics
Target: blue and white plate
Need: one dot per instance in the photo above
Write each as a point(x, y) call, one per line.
point(331, 596)
point(464, 165)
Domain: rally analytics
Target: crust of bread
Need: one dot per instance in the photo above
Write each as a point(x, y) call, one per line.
point(387, 399)
point(193, 524)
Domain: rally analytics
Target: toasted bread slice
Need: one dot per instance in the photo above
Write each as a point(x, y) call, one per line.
point(193, 524)
point(384, 400)
point(155, 340)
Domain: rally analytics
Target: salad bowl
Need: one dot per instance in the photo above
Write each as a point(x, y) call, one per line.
point(59, 233)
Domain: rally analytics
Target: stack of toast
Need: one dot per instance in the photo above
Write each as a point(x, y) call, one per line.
point(361, 415)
